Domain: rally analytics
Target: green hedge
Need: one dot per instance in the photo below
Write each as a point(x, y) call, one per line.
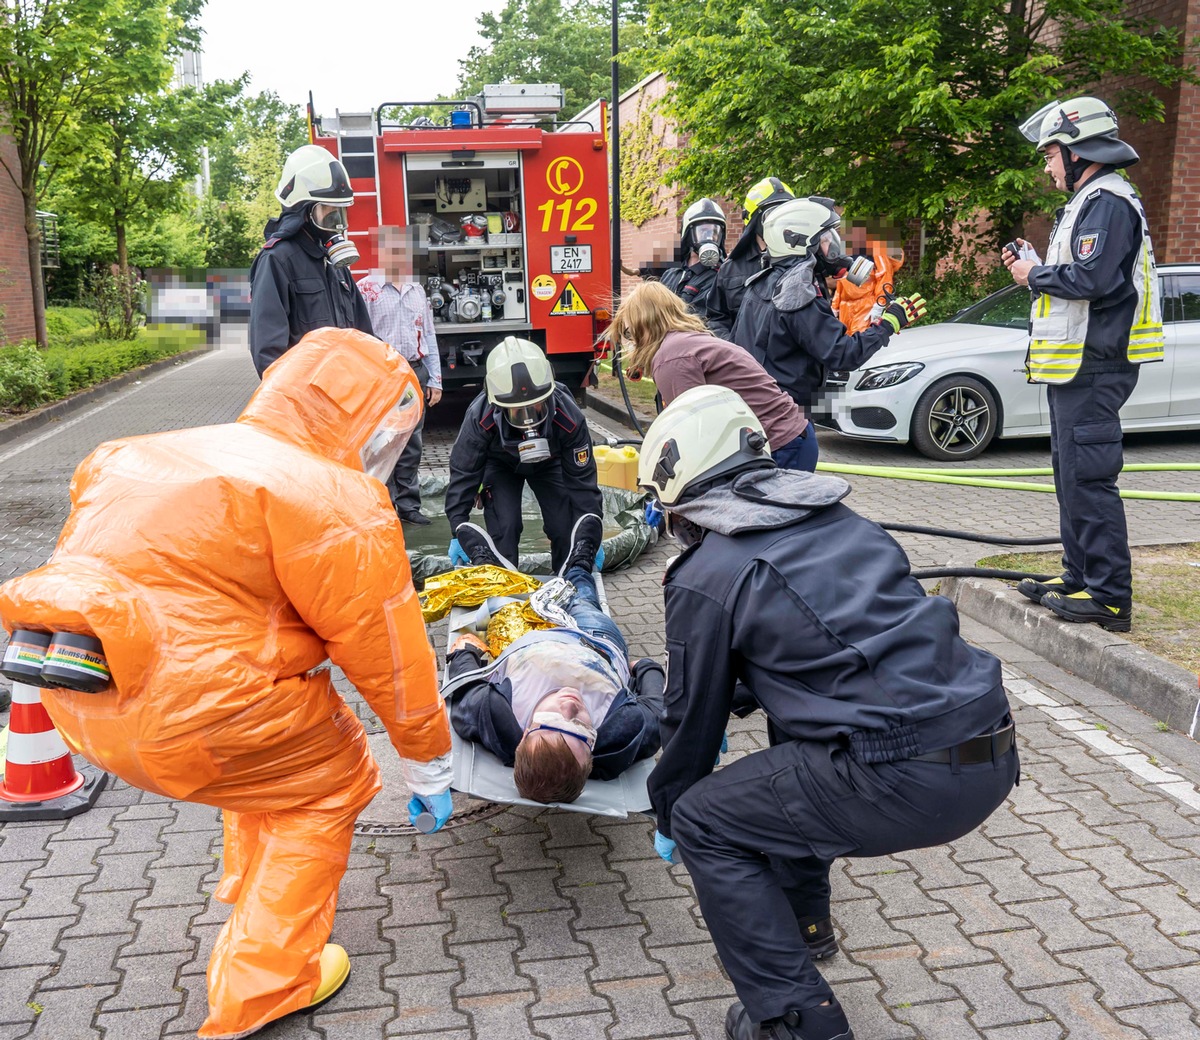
point(30, 377)
point(69, 325)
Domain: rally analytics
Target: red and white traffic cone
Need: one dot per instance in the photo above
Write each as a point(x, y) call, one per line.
point(40, 779)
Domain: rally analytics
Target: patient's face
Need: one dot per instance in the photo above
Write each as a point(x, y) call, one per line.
point(569, 704)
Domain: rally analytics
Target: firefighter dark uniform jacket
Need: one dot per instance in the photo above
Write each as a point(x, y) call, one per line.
point(814, 609)
point(788, 325)
point(691, 284)
point(485, 437)
point(294, 289)
point(1096, 299)
point(724, 298)
point(481, 711)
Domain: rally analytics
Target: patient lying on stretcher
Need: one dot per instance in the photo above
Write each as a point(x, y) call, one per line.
point(559, 704)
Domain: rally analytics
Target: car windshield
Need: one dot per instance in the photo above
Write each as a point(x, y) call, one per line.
point(1006, 309)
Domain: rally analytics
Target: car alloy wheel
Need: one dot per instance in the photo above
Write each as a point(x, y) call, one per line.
point(956, 418)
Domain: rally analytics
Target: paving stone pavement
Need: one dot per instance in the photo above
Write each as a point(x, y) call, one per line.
point(1073, 912)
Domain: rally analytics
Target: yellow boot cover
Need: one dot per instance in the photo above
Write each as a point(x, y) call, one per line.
point(335, 970)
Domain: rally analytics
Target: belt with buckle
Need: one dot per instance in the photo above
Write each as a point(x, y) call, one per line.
point(986, 748)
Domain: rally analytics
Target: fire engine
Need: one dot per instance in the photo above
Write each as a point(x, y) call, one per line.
point(509, 212)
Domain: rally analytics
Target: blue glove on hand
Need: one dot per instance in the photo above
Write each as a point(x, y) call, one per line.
point(665, 847)
point(458, 558)
point(439, 806)
point(598, 563)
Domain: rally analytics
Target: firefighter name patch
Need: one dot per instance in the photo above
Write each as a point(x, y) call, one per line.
point(1087, 245)
point(581, 456)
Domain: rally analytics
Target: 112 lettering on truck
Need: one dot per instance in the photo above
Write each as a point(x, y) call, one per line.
point(510, 217)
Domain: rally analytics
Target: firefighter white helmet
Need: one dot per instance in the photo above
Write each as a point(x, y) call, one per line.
point(520, 380)
point(313, 174)
point(702, 212)
point(705, 433)
point(1085, 126)
point(795, 228)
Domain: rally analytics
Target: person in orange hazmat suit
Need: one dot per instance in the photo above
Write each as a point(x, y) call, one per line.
point(220, 567)
point(856, 305)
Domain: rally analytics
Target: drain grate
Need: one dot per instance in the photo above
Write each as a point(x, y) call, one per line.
point(470, 814)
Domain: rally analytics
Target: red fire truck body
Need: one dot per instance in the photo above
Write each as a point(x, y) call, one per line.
point(510, 221)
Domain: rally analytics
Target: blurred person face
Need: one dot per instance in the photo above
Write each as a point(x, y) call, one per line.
point(395, 256)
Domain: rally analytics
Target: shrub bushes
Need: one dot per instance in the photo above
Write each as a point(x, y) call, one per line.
point(74, 361)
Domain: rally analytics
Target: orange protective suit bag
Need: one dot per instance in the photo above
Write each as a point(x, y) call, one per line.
point(220, 567)
point(853, 303)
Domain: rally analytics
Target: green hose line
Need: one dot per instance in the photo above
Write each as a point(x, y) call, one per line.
point(902, 473)
point(1046, 471)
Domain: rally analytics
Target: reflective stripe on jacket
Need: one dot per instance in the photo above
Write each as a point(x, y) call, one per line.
point(1059, 327)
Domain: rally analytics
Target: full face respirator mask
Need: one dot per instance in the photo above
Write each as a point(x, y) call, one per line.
point(331, 225)
point(832, 259)
point(529, 420)
point(707, 239)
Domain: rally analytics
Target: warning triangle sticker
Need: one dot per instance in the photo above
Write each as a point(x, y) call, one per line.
point(569, 302)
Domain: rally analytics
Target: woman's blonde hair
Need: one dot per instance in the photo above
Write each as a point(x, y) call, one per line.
point(644, 317)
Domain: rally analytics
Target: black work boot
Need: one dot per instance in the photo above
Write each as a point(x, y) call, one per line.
point(1035, 590)
point(816, 1023)
point(479, 547)
point(819, 937)
point(586, 536)
point(1079, 606)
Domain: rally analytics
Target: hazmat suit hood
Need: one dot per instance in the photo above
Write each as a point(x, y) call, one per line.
point(330, 392)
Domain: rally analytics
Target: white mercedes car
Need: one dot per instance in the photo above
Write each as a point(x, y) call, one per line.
point(951, 388)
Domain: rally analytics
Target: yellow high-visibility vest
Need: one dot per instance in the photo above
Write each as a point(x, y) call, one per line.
point(1059, 327)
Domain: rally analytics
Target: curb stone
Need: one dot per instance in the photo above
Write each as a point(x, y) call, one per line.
point(616, 412)
point(13, 428)
point(1163, 690)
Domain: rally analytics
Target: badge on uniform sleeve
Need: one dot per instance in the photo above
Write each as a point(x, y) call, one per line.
point(581, 456)
point(1087, 245)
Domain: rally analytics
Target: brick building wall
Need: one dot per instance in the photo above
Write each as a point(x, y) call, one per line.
point(16, 290)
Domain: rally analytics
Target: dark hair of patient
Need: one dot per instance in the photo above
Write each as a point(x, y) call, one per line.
point(546, 770)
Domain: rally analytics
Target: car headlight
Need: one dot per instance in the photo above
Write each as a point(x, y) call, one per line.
point(888, 375)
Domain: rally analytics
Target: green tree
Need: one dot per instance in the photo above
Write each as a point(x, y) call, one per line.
point(245, 165)
point(898, 108)
point(145, 141)
point(59, 61)
point(558, 41)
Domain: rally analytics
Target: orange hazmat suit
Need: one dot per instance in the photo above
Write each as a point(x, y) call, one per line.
point(220, 567)
point(853, 303)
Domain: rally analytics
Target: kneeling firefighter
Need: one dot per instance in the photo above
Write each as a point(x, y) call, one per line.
point(523, 427)
point(702, 235)
point(219, 567)
point(891, 732)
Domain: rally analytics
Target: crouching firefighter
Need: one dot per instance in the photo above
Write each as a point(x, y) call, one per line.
point(523, 427)
point(893, 733)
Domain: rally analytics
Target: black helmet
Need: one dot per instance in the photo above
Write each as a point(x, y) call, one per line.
point(705, 211)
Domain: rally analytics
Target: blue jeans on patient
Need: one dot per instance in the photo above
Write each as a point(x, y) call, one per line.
point(585, 609)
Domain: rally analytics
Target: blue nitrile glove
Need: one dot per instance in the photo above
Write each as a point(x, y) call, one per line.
point(458, 558)
point(724, 749)
point(598, 563)
point(439, 805)
point(665, 847)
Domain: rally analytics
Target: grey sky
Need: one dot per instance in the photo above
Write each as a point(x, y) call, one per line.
point(352, 54)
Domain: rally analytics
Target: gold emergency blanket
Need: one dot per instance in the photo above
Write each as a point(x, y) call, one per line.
point(510, 622)
point(469, 587)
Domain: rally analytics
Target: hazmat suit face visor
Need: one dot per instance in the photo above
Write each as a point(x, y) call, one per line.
point(384, 447)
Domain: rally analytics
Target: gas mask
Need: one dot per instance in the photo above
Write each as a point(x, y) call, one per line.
point(331, 223)
point(384, 447)
point(529, 421)
point(832, 259)
point(707, 239)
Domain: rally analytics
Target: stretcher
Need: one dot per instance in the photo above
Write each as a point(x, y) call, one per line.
point(479, 773)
